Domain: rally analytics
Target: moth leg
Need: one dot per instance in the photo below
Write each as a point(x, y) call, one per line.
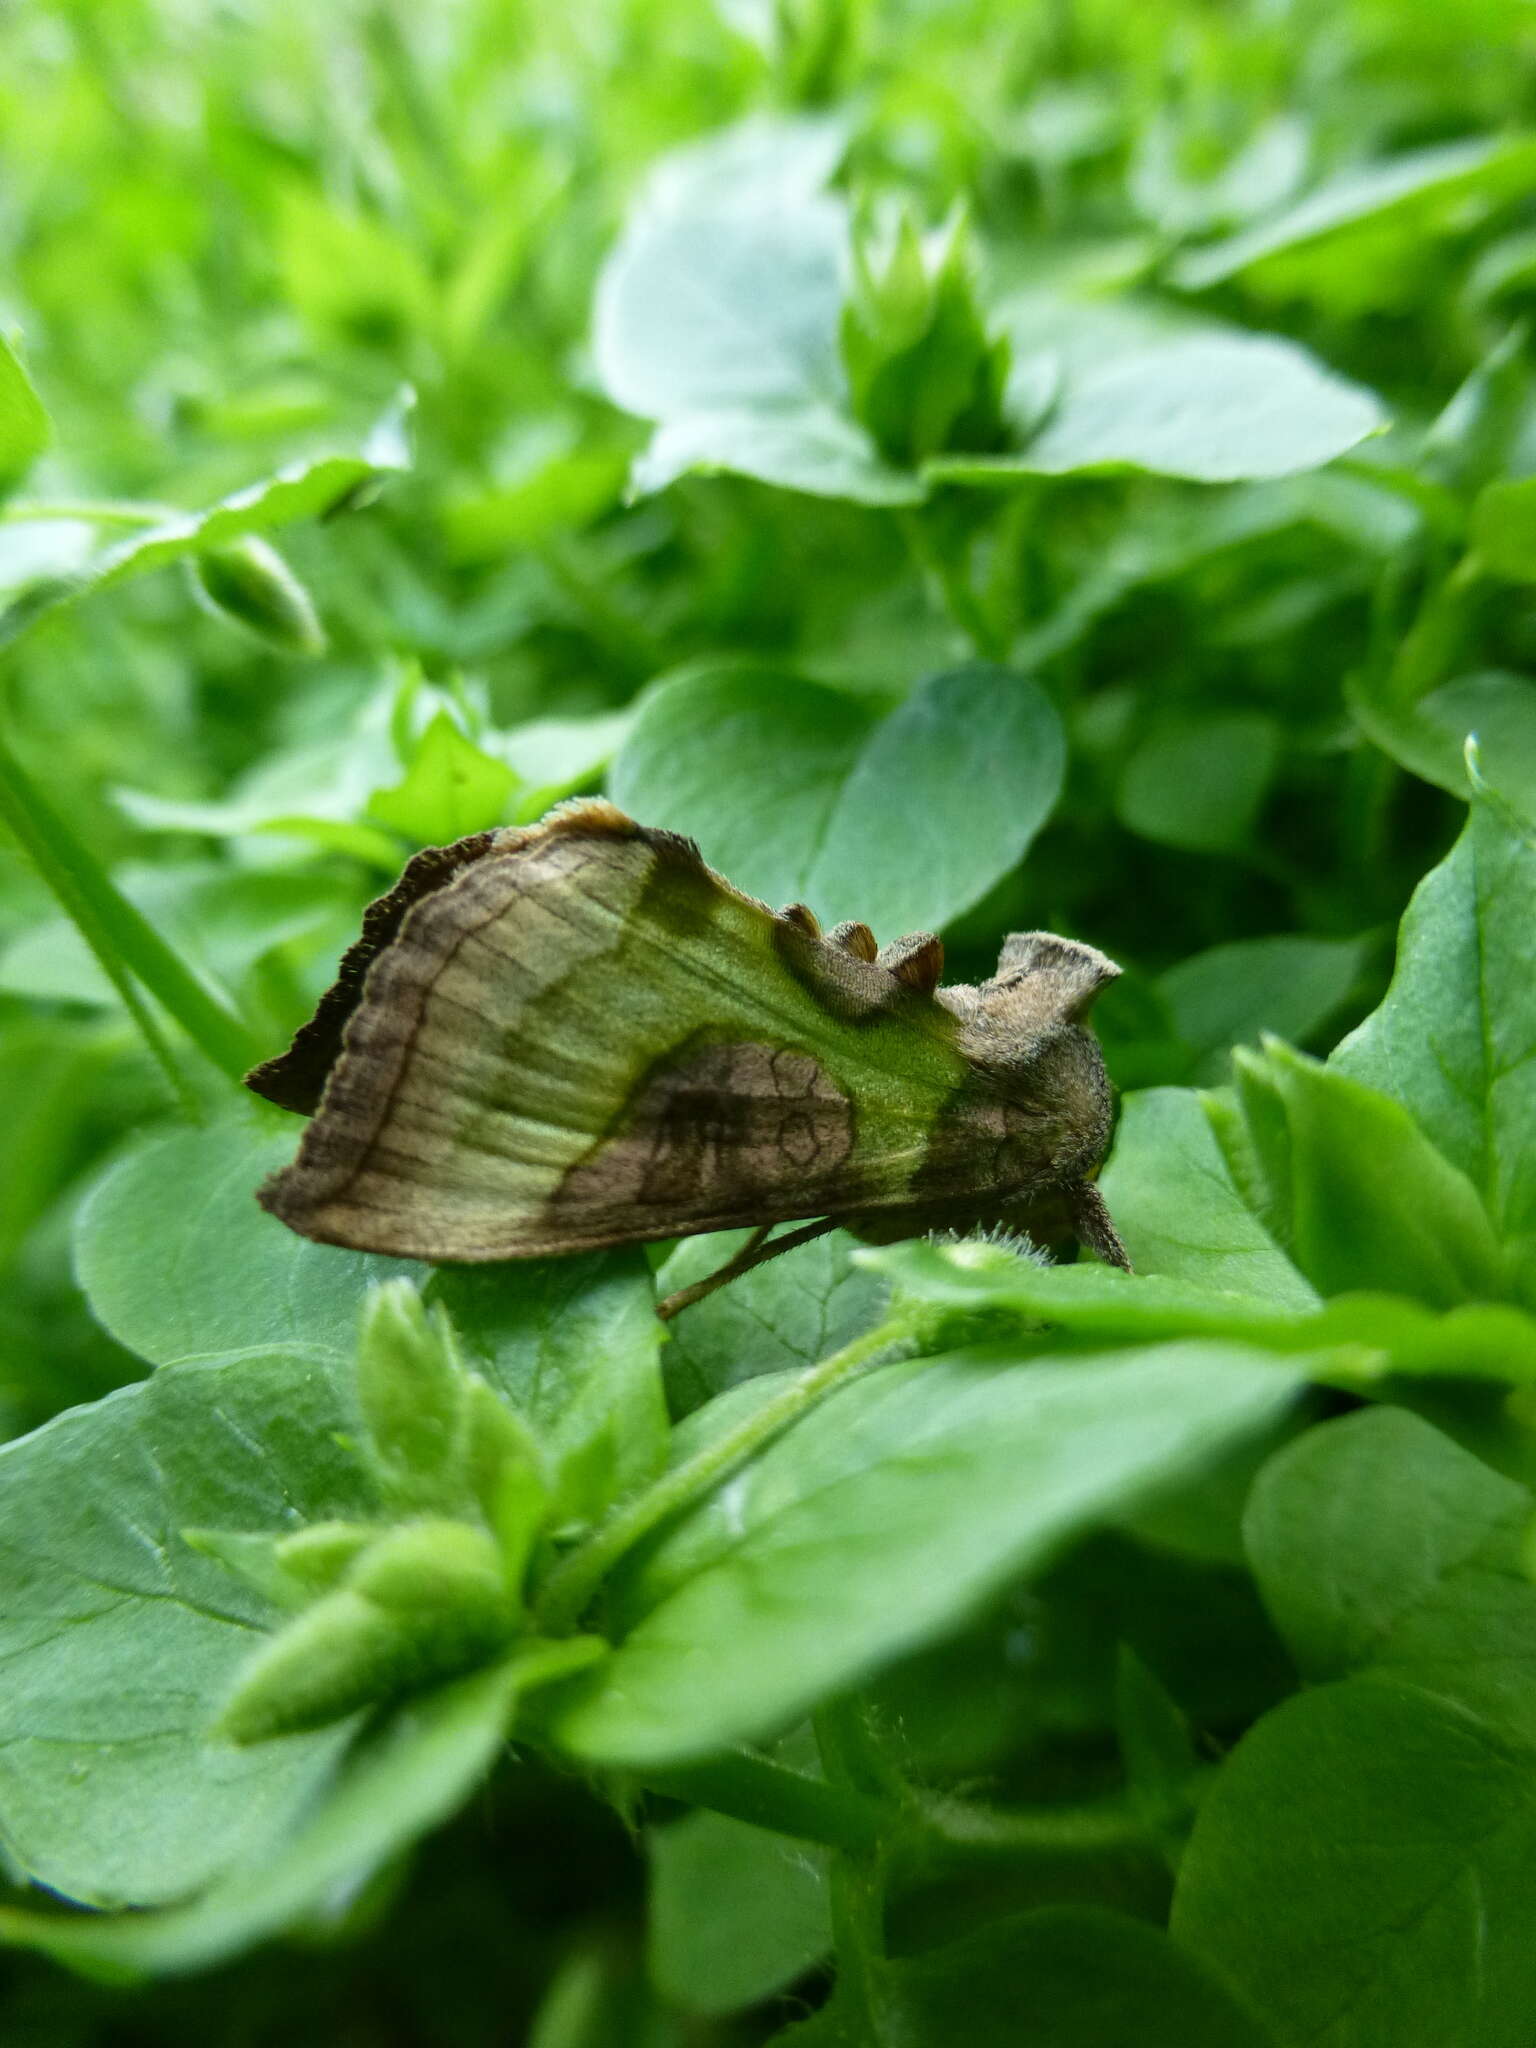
point(755, 1252)
point(1095, 1227)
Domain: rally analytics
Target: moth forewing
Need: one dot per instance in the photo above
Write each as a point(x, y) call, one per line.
point(576, 1035)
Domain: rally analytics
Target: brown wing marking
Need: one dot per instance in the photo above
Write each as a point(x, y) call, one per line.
point(723, 1128)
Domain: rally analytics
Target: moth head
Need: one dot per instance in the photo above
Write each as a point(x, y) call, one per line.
point(1055, 979)
point(1026, 1029)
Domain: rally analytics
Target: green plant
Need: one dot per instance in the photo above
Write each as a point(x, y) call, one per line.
point(968, 471)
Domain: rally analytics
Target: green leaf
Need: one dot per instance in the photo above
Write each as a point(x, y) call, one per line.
point(180, 1264)
point(1216, 409)
point(1175, 1204)
point(451, 788)
point(24, 425)
point(1356, 1338)
point(420, 1604)
point(573, 1344)
point(1415, 190)
point(1363, 1871)
point(316, 488)
point(120, 1641)
point(1197, 782)
point(1064, 1976)
point(1360, 1196)
point(222, 923)
point(808, 448)
point(718, 319)
point(1455, 1040)
point(1290, 985)
point(796, 793)
point(407, 1776)
point(1503, 530)
point(884, 1518)
point(1429, 737)
point(736, 1913)
point(1379, 1544)
point(792, 1311)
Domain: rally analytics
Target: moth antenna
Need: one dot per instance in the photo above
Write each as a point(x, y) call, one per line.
point(803, 919)
point(916, 961)
point(854, 938)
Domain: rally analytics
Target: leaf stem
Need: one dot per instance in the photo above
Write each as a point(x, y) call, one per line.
point(769, 1795)
point(571, 1584)
point(121, 938)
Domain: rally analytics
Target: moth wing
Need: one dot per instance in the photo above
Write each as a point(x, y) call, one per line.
point(584, 1037)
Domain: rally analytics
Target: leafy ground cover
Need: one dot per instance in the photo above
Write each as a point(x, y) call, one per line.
point(972, 467)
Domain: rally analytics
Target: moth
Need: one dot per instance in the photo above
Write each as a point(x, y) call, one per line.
point(575, 1034)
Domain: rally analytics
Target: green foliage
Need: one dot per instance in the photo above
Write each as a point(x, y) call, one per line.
point(972, 469)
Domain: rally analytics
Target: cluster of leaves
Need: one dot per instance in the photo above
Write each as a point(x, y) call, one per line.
point(971, 470)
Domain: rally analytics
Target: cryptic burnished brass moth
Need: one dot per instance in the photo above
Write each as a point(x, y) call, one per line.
point(576, 1034)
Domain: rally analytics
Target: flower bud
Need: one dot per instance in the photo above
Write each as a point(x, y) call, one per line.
point(248, 581)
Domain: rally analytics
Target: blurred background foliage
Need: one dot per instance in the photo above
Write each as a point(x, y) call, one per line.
point(231, 233)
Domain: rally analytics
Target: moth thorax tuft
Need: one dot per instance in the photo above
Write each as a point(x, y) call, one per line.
point(916, 961)
point(855, 939)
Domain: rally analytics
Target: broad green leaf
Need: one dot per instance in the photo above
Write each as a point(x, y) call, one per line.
point(770, 159)
point(451, 788)
point(1363, 1871)
point(1360, 1196)
point(1429, 738)
point(718, 320)
point(1197, 782)
point(1455, 1039)
point(24, 429)
point(794, 1310)
point(1417, 188)
point(1214, 409)
point(735, 1913)
point(1230, 995)
point(180, 1264)
point(315, 488)
point(1065, 1976)
point(1356, 1338)
point(885, 1518)
point(120, 1641)
point(1379, 1544)
point(796, 793)
point(405, 1777)
point(552, 757)
point(573, 1345)
point(1254, 180)
point(1175, 1204)
point(807, 447)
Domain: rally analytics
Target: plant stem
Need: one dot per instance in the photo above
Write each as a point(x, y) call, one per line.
point(90, 511)
point(768, 1795)
point(121, 938)
point(1085, 1830)
point(856, 1879)
point(959, 599)
point(569, 1587)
